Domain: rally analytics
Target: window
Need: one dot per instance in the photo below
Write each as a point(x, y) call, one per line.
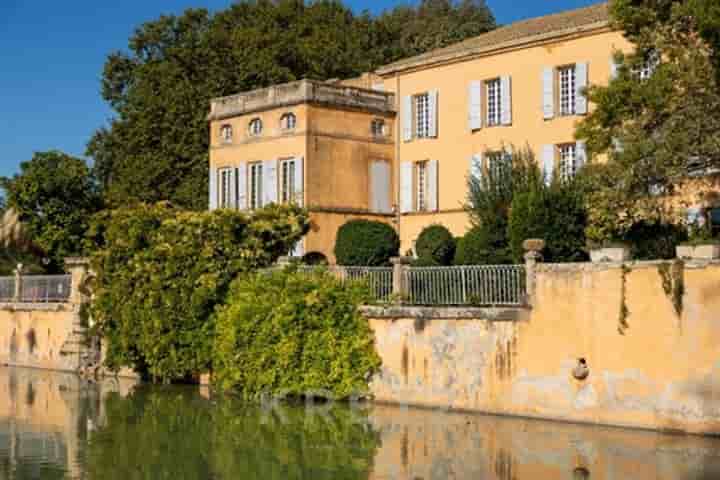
point(421, 184)
point(498, 164)
point(287, 181)
point(255, 127)
point(377, 127)
point(255, 185)
point(422, 115)
point(225, 183)
point(567, 80)
point(568, 160)
point(226, 133)
point(493, 90)
point(648, 66)
point(714, 215)
point(288, 121)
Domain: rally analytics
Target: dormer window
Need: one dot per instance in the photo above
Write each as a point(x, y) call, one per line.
point(377, 127)
point(255, 127)
point(226, 133)
point(288, 121)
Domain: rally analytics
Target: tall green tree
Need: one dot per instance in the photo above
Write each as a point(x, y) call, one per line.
point(54, 196)
point(156, 146)
point(659, 119)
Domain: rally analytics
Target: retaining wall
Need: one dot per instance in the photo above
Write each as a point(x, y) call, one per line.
point(648, 332)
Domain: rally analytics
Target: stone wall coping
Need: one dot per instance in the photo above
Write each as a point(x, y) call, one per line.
point(394, 312)
point(36, 307)
point(634, 265)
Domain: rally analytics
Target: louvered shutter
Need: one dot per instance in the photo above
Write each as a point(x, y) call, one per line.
point(580, 154)
point(548, 163)
point(433, 187)
point(407, 119)
point(269, 182)
point(299, 181)
point(406, 187)
point(548, 81)
point(232, 174)
point(581, 83)
point(476, 166)
point(213, 194)
point(241, 178)
point(380, 186)
point(614, 68)
point(506, 100)
point(475, 105)
point(433, 113)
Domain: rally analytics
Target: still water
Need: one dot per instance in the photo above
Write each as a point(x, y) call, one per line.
point(55, 426)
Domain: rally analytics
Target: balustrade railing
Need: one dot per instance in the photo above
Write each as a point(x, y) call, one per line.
point(7, 289)
point(45, 288)
point(378, 279)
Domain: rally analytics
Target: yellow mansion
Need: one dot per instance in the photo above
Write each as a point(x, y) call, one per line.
point(398, 144)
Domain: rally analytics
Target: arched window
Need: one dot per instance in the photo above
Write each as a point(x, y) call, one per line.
point(255, 127)
point(377, 127)
point(226, 133)
point(288, 121)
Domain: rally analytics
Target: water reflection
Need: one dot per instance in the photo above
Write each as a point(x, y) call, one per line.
point(54, 426)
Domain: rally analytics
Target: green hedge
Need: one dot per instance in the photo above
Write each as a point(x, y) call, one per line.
point(162, 271)
point(293, 333)
point(435, 246)
point(366, 243)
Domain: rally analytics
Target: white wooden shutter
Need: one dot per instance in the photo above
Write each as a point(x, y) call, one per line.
point(270, 184)
point(299, 181)
point(506, 100)
point(407, 119)
point(299, 249)
point(406, 187)
point(476, 166)
point(614, 68)
point(617, 145)
point(548, 81)
point(232, 174)
point(548, 163)
point(475, 105)
point(213, 194)
point(581, 83)
point(380, 186)
point(580, 154)
point(241, 176)
point(433, 113)
point(432, 187)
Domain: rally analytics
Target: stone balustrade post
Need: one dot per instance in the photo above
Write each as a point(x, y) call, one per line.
point(79, 270)
point(400, 288)
point(533, 256)
point(17, 294)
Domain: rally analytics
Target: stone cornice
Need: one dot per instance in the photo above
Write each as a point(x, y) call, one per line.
point(303, 91)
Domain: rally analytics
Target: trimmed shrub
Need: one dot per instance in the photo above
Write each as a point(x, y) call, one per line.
point(435, 246)
point(314, 258)
point(161, 272)
point(366, 243)
point(293, 333)
point(654, 241)
point(484, 245)
point(556, 215)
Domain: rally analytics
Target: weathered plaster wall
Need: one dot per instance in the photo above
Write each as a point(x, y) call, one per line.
point(652, 368)
point(40, 336)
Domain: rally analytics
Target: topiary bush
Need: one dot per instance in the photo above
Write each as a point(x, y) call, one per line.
point(435, 246)
point(161, 271)
point(291, 333)
point(314, 258)
point(366, 243)
point(484, 245)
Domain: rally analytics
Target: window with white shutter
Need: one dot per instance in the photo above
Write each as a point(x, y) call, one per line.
point(567, 160)
point(226, 188)
point(493, 94)
point(255, 183)
point(287, 180)
point(567, 81)
point(422, 115)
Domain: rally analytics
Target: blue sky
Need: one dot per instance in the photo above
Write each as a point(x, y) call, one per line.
point(52, 53)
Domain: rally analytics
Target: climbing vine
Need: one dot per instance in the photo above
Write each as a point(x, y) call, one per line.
point(673, 283)
point(623, 325)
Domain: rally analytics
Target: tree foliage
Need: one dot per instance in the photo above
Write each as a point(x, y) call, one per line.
point(656, 130)
point(54, 196)
point(294, 333)
point(161, 271)
point(156, 146)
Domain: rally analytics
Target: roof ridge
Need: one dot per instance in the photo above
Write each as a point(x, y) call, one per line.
point(513, 32)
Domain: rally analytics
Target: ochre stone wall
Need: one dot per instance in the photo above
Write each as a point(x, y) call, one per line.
point(652, 367)
point(39, 336)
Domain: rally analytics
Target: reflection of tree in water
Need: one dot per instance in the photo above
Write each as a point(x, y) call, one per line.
point(176, 434)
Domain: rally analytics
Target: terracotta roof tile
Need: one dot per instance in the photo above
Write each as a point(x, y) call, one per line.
point(510, 35)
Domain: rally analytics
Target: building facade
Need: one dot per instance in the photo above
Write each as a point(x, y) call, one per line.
point(399, 144)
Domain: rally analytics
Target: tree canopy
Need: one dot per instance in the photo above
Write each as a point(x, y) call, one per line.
point(156, 146)
point(54, 195)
